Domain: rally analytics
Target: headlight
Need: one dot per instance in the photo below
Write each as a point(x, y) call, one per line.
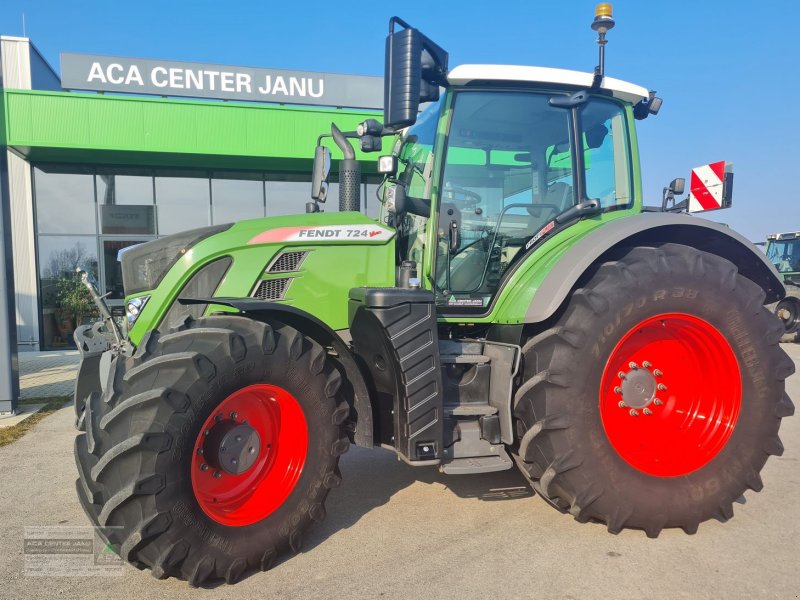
point(134, 308)
point(144, 266)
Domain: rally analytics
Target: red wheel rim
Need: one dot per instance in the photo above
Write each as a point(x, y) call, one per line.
point(670, 395)
point(281, 448)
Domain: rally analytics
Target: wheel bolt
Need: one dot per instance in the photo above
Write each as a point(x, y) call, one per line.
point(634, 412)
point(222, 448)
point(657, 402)
point(633, 365)
point(206, 432)
point(204, 467)
point(252, 450)
point(647, 411)
point(234, 415)
point(617, 390)
point(238, 438)
point(621, 375)
point(662, 387)
point(657, 373)
point(200, 451)
point(217, 474)
point(646, 364)
point(218, 418)
point(621, 404)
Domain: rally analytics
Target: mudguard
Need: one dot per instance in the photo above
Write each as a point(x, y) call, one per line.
point(317, 330)
point(648, 229)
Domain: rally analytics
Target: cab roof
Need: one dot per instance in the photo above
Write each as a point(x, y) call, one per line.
point(623, 90)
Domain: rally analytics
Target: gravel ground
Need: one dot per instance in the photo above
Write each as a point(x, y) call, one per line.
point(397, 532)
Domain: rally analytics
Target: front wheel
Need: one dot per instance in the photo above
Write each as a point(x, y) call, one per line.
point(213, 448)
point(656, 398)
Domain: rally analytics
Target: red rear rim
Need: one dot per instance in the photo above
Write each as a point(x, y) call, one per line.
point(249, 455)
point(670, 394)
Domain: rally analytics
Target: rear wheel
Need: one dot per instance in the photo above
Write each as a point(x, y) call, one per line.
point(213, 448)
point(656, 398)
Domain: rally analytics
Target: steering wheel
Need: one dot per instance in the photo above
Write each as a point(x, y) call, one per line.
point(474, 197)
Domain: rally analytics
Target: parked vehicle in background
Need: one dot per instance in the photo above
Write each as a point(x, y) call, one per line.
point(783, 251)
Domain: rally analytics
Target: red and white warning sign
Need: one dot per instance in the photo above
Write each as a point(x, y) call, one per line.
point(707, 188)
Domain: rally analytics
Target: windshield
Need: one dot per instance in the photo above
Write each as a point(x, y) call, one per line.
point(509, 171)
point(785, 255)
point(414, 149)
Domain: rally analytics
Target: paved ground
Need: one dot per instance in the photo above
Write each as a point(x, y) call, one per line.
point(47, 374)
point(397, 532)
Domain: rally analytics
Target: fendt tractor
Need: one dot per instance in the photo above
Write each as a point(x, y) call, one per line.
point(515, 302)
point(783, 251)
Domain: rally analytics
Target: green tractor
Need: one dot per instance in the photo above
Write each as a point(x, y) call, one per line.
point(783, 251)
point(513, 303)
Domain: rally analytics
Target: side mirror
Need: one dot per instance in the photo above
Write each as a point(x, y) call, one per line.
point(415, 67)
point(320, 172)
point(675, 188)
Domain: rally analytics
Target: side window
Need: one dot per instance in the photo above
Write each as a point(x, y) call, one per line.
point(606, 153)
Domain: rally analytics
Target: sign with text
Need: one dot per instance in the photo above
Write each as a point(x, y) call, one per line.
point(198, 80)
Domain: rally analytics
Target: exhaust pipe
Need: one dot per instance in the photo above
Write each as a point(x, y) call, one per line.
point(349, 174)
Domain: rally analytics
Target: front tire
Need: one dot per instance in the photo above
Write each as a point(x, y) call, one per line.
point(213, 448)
point(655, 399)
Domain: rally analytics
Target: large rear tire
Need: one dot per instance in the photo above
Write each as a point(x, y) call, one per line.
point(213, 448)
point(655, 398)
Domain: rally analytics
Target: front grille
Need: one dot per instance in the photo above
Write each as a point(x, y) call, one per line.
point(288, 262)
point(272, 289)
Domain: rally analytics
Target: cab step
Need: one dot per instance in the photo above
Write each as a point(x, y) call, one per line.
point(467, 410)
point(477, 464)
point(465, 359)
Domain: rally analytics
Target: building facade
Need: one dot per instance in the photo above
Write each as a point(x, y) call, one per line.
point(89, 174)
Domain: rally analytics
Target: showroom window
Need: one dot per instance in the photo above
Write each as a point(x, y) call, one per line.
point(64, 199)
point(125, 201)
point(236, 196)
point(183, 200)
point(86, 215)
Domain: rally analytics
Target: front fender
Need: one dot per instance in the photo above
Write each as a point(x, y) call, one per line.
point(317, 330)
point(647, 229)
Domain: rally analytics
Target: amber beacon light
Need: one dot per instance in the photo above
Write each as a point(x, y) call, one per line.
point(603, 21)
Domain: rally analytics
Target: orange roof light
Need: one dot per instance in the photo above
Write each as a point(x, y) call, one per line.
point(603, 10)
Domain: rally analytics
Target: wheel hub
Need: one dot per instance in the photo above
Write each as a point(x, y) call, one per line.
point(638, 388)
point(231, 447)
point(249, 454)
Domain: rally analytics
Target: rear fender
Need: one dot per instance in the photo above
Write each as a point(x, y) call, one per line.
point(321, 333)
point(648, 229)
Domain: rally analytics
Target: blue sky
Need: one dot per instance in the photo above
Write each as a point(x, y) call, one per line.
point(727, 70)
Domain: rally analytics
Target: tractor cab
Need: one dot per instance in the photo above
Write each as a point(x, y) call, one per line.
point(500, 161)
point(500, 168)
